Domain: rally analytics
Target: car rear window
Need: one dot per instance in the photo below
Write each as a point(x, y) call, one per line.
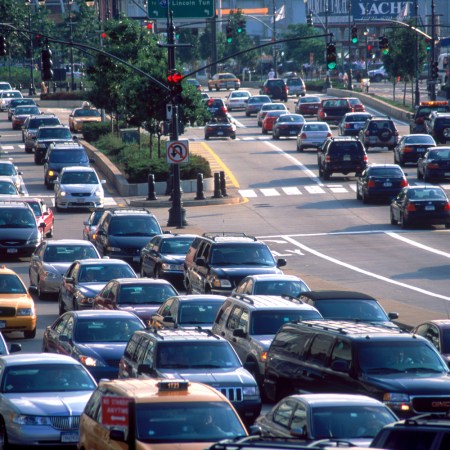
point(275, 83)
point(381, 124)
point(36, 123)
point(310, 100)
point(341, 148)
point(335, 104)
point(424, 139)
point(68, 156)
point(357, 118)
point(315, 127)
point(386, 172)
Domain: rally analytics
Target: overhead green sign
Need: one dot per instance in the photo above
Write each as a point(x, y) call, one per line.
point(182, 9)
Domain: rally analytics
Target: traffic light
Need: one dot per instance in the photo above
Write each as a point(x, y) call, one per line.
point(47, 65)
point(434, 70)
point(229, 33)
point(369, 51)
point(309, 19)
point(3, 48)
point(37, 41)
point(174, 78)
point(331, 56)
point(354, 35)
point(241, 26)
point(150, 27)
point(384, 45)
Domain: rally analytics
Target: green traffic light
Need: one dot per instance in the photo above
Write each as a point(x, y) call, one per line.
point(229, 40)
point(332, 65)
point(354, 40)
point(386, 51)
point(239, 30)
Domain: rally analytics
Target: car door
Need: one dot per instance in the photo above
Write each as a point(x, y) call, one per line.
point(68, 286)
point(103, 299)
point(149, 255)
point(397, 205)
point(35, 266)
point(238, 320)
point(52, 333)
point(200, 268)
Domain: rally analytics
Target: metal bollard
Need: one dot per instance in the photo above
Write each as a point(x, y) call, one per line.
point(54, 86)
point(67, 86)
point(217, 193)
point(200, 194)
point(151, 187)
point(223, 184)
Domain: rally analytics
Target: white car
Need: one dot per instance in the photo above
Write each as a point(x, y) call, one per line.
point(8, 169)
point(7, 96)
point(237, 100)
point(270, 107)
point(8, 187)
point(313, 135)
point(5, 86)
point(79, 187)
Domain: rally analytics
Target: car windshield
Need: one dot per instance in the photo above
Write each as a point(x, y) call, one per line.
point(349, 422)
point(8, 188)
point(7, 169)
point(252, 255)
point(134, 226)
point(258, 100)
point(389, 356)
point(55, 133)
point(347, 309)
point(11, 284)
point(198, 313)
point(86, 113)
point(422, 139)
point(106, 329)
point(67, 253)
point(68, 156)
point(176, 246)
point(11, 95)
point(196, 355)
point(280, 287)
point(79, 178)
point(5, 86)
point(145, 294)
point(269, 322)
point(170, 422)
point(342, 148)
point(23, 110)
point(46, 378)
point(36, 123)
point(102, 273)
point(17, 218)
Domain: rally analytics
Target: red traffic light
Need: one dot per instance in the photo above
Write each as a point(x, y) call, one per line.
point(369, 48)
point(103, 35)
point(174, 78)
point(149, 26)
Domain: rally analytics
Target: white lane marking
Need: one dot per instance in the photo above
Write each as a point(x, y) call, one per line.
point(364, 272)
point(418, 245)
point(291, 190)
point(271, 192)
point(314, 189)
point(7, 147)
point(248, 193)
point(337, 189)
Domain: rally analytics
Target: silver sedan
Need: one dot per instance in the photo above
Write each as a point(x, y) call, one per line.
point(313, 135)
point(51, 259)
point(42, 397)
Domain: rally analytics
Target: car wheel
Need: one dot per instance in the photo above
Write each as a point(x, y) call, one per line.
point(247, 115)
point(28, 150)
point(3, 435)
point(31, 334)
point(61, 306)
point(217, 88)
point(275, 137)
point(378, 78)
point(401, 163)
point(447, 226)
point(364, 198)
point(426, 177)
point(233, 136)
point(209, 88)
point(264, 131)
point(40, 293)
point(320, 171)
point(157, 273)
point(206, 138)
point(326, 175)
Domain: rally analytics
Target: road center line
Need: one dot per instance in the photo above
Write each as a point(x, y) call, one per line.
point(416, 244)
point(364, 272)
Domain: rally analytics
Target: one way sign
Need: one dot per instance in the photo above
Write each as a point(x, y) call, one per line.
point(177, 152)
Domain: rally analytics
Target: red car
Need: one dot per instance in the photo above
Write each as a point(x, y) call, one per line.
point(43, 213)
point(356, 104)
point(308, 105)
point(270, 118)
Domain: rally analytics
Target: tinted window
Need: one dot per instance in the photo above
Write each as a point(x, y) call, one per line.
point(134, 226)
point(68, 156)
point(36, 123)
point(341, 148)
point(410, 439)
point(269, 322)
point(385, 172)
point(55, 133)
point(342, 309)
point(17, 218)
point(290, 342)
point(106, 329)
point(144, 294)
point(10, 284)
point(242, 254)
point(319, 349)
point(424, 139)
point(68, 253)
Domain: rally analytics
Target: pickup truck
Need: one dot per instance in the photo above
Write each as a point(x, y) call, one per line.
point(417, 120)
point(332, 110)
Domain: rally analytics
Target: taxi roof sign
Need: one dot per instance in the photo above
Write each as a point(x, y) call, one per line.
point(173, 385)
point(434, 103)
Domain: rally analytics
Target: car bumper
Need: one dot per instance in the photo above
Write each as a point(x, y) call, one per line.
point(438, 173)
point(108, 372)
point(423, 218)
point(69, 203)
point(311, 144)
point(25, 323)
point(382, 193)
point(17, 251)
point(133, 257)
point(344, 168)
point(50, 285)
point(248, 410)
point(288, 133)
point(411, 157)
point(28, 435)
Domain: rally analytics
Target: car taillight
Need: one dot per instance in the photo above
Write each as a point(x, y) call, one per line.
point(411, 207)
point(347, 125)
point(329, 134)
point(365, 159)
point(371, 184)
point(286, 89)
point(224, 109)
point(395, 133)
point(266, 89)
point(321, 113)
point(404, 183)
point(447, 207)
point(408, 149)
point(303, 136)
point(433, 166)
point(420, 120)
point(327, 158)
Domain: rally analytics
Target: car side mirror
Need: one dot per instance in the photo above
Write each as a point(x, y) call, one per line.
point(102, 181)
point(239, 332)
point(254, 430)
point(281, 262)
point(69, 280)
point(299, 432)
point(393, 315)
point(145, 368)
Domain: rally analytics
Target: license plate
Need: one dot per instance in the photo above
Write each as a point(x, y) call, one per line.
point(420, 150)
point(347, 158)
point(70, 437)
point(136, 258)
point(292, 132)
point(80, 200)
point(11, 250)
point(429, 208)
point(387, 184)
point(447, 174)
point(219, 133)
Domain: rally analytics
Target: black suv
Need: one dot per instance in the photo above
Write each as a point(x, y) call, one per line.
point(31, 125)
point(438, 126)
point(216, 262)
point(341, 155)
point(379, 132)
point(276, 89)
point(249, 323)
point(61, 155)
point(427, 431)
point(404, 371)
point(49, 134)
point(195, 355)
point(122, 232)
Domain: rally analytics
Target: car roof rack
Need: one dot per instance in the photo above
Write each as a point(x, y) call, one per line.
point(219, 234)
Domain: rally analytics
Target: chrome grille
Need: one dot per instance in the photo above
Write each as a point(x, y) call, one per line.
point(80, 194)
point(65, 422)
point(234, 394)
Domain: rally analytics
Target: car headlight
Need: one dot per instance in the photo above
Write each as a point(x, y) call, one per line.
point(35, 240)
point(250, 391)
point(22, 419)
point(90, 361)
point(397, 401)
point(221, 283)
point(25, 312)
point(52, 276)
point(51, 173)
point(166, 266)
point(98, 193)
point(62, 193)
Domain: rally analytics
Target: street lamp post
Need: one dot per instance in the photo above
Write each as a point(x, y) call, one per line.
point(274, 37)
point(432, 50)
point(417, 91)
point(70, 3)
point(32, 90)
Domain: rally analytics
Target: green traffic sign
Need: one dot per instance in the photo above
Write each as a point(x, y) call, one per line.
point(182, 9)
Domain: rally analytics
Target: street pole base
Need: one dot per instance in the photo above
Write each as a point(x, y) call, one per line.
point(177, 217)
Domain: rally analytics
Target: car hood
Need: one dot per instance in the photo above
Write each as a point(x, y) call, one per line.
point(174, 259)
point(60, 267)
point(417, 384)
point(80, 187)
point(236, 271)
point(213, 377)
point(17, 234)
point(16, 301)
point(46, 140)
point(90, 289)
point(105, 351)
point(144, 312)
point(264, 340)
point(54, 403)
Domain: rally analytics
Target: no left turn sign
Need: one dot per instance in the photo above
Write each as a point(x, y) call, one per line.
point(177, 152)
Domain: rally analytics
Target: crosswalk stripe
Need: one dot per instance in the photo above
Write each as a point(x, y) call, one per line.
point(314, 189)
point(7, 147)
point(248, 193)
point(337, 189)
point(270, 192)
point(291, 190)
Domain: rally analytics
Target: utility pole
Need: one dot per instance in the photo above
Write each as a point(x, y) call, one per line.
point(432, 50)
point(417, 91)
point(274, 38)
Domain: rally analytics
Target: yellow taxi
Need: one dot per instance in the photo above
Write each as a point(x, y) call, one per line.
point(80, 116)
point(157, 414)
point(17, 311)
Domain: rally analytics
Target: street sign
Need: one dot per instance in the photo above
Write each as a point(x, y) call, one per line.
point(169, 109)
point(177, 152)
point(184, 9)
point(115, 411)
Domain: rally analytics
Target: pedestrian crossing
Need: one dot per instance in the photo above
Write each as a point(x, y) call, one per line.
point(313, 189)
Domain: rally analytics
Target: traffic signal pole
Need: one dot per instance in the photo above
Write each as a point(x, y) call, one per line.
point(432, 85)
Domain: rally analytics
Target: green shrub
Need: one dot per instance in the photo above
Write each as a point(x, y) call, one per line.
point(93, 131)
point(72, 95)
